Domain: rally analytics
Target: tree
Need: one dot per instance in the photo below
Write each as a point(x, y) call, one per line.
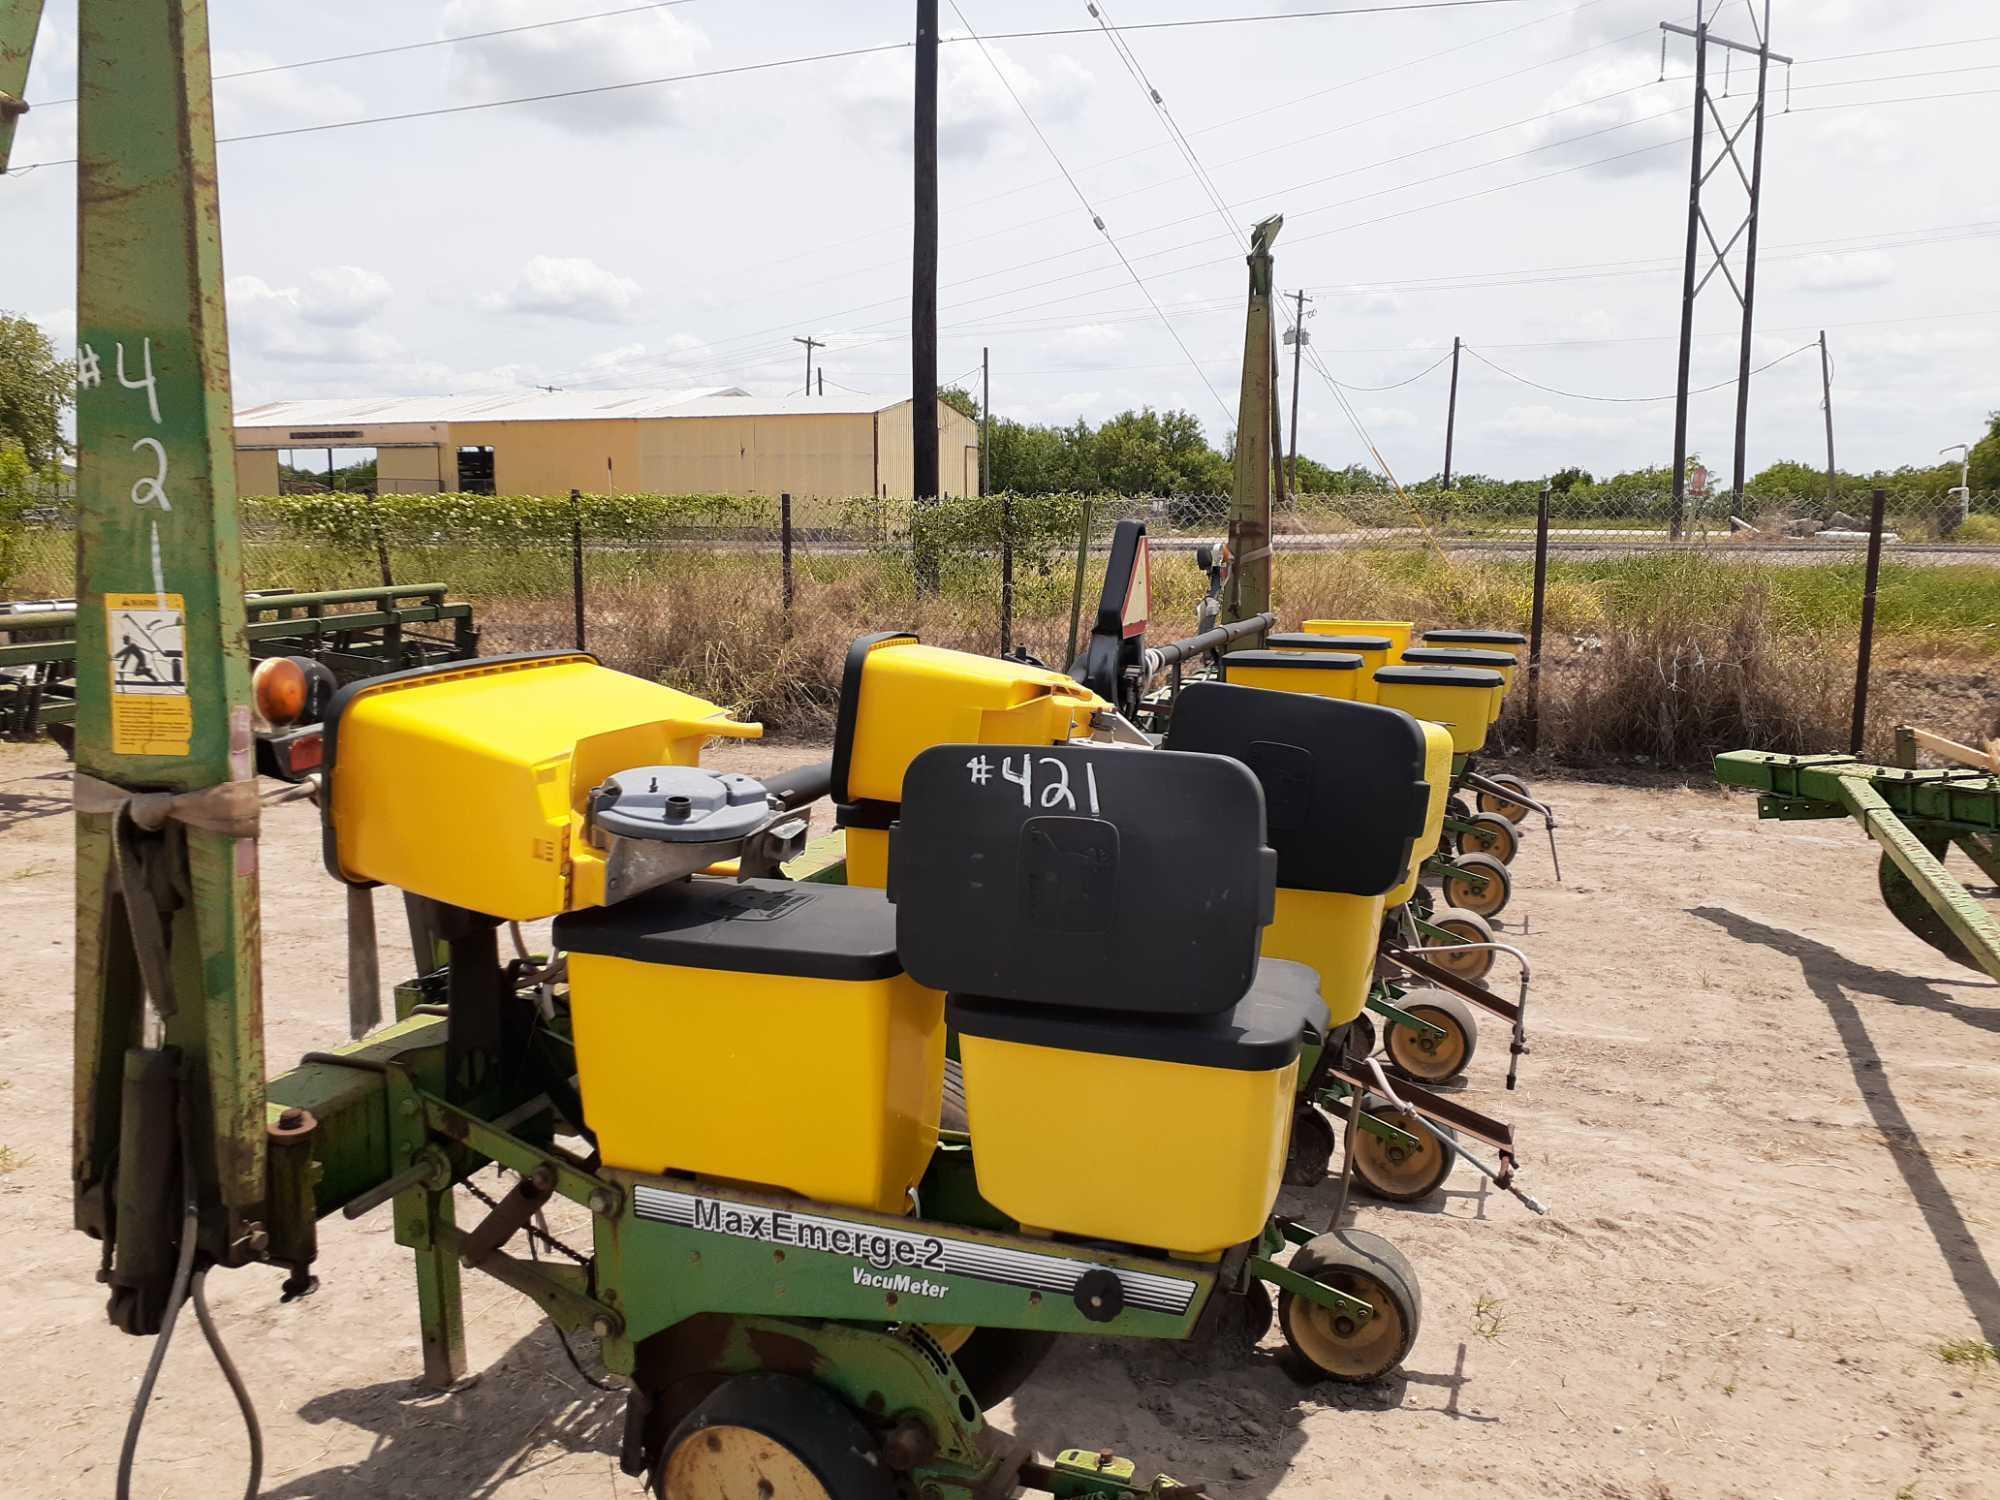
point(36, 388)
point(960, 400)
point(1564, 480)
point(1982, 467)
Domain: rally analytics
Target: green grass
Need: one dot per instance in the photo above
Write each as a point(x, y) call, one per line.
point(1969, 1354)
point(12, 1160)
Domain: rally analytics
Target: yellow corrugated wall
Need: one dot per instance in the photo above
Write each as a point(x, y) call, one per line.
point(256, 471)
point(552, 458)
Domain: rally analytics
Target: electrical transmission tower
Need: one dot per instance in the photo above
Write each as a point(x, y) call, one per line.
point(1707, 109)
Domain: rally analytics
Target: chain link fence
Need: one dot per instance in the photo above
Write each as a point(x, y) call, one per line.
point(1740, 633)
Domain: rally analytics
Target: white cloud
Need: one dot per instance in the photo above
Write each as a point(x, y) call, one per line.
point(342, 296)
point(1621, 130)
point(257, 101)
point(1367, 302)
point(975, 112)
point(568, 286)
point(290, 323)
point(1852, 272)
point(1374, 417)
point(1088, 338)
point(1544, 421)
point(59, 323)
point(616, 49)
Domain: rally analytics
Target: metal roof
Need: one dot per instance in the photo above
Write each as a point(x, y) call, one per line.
point(723, 405)
point(492, 406)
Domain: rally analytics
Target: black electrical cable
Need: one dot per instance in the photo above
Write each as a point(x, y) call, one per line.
point(1396, 385)
point(1630, 400)
point(1290, 15)
point(187, 1279)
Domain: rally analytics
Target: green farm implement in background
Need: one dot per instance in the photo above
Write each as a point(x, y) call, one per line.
point(1917, 816)
point(351, 632)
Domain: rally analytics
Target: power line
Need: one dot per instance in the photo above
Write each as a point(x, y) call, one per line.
point(463, 109)
point(1320, 208)
point(1095, 218)
point(1304, 347)
point(1631, 400)
point(1398, 385)
point(1109, 161)
point(1293, 15)
point(443, 41)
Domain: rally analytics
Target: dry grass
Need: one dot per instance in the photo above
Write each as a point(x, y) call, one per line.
point(1663, 659)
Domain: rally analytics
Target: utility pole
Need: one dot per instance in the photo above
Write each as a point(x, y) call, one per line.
point(1450, 413)
point(1298, 338)
point(1707, 108)
point(1749, 295)
point(811, 344)
point(822, 380)
point(924, 264)
point(1249, 589)
point(985, 421)
point(1826, 402)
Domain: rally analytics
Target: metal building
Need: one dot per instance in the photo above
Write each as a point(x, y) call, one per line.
point(713, 441)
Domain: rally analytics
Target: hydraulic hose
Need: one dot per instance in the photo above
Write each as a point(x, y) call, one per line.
point(186, 1280)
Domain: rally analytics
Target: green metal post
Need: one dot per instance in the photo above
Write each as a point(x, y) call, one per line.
point(425, 1224)
point(162, 674)
point(18, 22)
point(1249, 591)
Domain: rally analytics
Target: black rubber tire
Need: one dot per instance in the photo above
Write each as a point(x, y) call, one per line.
point(1364, 1265)
point(1311, 1149)
point(1513, 812)
point(1360, 1039)
point(1487, 900)
point(952, 1115)
point(1235, 1324)
point(1430, 1060)
point(1440, 1159)
point(1472, 928)
point(1490, 834)
point(807, 1424)
point(996, 1362)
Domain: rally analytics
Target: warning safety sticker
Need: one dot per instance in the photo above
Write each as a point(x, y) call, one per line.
point(151, 713)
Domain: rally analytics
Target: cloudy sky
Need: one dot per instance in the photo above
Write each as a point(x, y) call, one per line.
point(1513, 173)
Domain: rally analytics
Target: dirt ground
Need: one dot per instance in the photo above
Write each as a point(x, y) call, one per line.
point(1764, 1119)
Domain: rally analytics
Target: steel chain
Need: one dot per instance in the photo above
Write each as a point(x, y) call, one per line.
point(534, 1231)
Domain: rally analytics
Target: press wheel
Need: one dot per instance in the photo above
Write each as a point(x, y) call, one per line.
point(771, 1437)
point(1362, 1265)
point(1236, 1322)
point(1486, 892)
point(1311, 1148)
point(1394, 1172)
point(1489, 833)
point(1468, 927)
point(1359, 1039)
point(1506, 807)
point(996, 1362)
point(1433, 1059)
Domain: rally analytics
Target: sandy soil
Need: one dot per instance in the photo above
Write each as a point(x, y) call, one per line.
point(1764, 1118)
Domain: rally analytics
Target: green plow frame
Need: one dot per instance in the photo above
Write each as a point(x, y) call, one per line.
point(1917, 816)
